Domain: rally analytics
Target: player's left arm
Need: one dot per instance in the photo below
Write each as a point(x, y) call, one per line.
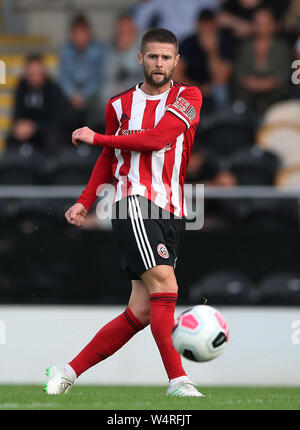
point(179, 116)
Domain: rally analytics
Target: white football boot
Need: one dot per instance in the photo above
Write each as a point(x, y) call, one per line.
point(61, 379)
point(183, 389)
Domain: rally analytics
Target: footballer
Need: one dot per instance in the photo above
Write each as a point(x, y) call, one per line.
point(148, 139)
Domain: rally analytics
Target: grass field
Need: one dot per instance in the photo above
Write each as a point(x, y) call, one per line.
point(149, 398)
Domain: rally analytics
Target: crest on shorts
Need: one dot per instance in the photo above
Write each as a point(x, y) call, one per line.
point(162, 250)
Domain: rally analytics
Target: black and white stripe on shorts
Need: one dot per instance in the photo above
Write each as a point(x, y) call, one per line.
point(140, 233)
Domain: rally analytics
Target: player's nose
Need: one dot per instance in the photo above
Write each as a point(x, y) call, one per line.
point(159, 63)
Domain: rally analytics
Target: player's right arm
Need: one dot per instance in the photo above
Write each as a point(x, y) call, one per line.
point(101, 175)
point(179, 116)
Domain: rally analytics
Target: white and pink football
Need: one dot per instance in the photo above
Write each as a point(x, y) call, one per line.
point(200, 333)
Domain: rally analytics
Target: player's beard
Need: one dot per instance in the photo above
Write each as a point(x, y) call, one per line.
point(149, 79)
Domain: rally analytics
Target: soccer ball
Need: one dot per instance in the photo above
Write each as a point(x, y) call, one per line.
point(200, 333)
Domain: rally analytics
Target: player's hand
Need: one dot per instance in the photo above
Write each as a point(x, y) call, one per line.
point(76, 214)
point(84, 134)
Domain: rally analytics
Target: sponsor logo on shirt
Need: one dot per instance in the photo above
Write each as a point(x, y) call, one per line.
point(129, 132)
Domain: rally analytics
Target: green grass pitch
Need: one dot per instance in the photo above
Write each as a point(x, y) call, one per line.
point(31, 397)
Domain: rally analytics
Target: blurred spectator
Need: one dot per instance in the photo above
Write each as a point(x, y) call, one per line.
point(279, 7)
point(37, 114)
point(121, 69)
point(175, 15)
point(206, 61)
point(292, 20)
point(80, 72)
point(237, 17)
point(263, 65)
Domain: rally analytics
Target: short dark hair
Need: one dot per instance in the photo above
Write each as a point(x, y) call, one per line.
point(124, 15)
point(34, 57)
point(160, 35)
point(269, 10)
point(80, 21)
point(206, 15)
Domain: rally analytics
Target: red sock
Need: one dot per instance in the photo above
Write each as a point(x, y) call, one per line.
point(161, 322)
point(107, 341)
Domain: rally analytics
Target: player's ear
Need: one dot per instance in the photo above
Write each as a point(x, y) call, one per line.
point(177, 59)
point(140, 58)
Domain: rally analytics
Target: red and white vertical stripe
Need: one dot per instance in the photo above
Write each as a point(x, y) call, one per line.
point(155, 175)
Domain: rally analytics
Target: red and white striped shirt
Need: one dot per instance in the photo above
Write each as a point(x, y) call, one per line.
point(162, 143)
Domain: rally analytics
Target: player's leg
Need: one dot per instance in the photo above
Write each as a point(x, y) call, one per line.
point(152, 254)
point(106, 342)
point(162, 285)
point(116, 333)
point(139, 302)
point(148, 240)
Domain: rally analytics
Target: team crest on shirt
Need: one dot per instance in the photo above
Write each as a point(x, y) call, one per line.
point(162, 251)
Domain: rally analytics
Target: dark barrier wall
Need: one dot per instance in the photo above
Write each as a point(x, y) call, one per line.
point(49, 261)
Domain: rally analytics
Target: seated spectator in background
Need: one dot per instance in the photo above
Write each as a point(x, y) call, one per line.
point(121, 70)
point(263, 66)
point(177, 16)
point(37, 113)
point(81, 62)
point(205, 61)
point(236, 16)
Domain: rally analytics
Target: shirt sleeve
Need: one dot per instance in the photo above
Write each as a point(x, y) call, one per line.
point(175, 121)
point(102, 172)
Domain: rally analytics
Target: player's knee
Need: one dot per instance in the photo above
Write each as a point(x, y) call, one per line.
point(142, 313)
point(166, 286)
point(163, 280)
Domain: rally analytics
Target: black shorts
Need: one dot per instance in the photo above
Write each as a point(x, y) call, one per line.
point(148, 235)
